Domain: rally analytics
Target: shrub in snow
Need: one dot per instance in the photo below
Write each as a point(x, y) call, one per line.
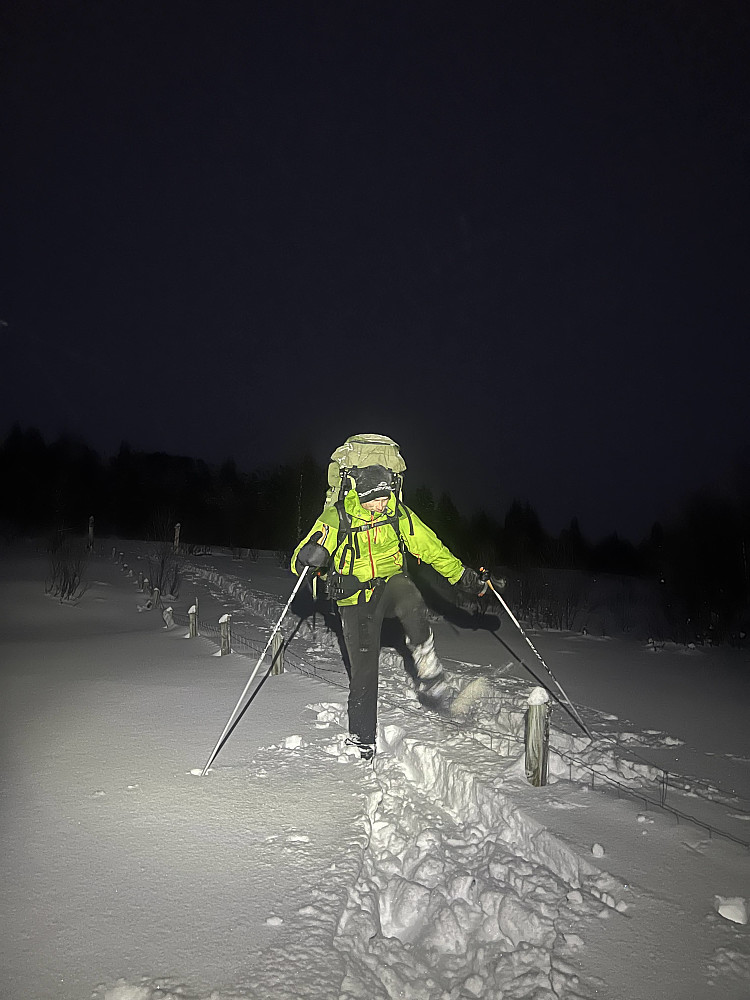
point(164, 566)
point(67, 566)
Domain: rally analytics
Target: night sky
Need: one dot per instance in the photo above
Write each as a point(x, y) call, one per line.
point(513, 236)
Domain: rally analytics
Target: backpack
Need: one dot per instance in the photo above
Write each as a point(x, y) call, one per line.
point(358, 452)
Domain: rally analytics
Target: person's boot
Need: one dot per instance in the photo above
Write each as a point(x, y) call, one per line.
point(366, 751)
point(433, 689)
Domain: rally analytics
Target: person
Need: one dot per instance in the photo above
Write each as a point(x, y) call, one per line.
point(360, 542)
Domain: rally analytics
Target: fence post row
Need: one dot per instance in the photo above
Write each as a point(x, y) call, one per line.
point(537, 736)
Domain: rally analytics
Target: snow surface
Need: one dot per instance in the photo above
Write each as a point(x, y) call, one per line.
point(295, 870)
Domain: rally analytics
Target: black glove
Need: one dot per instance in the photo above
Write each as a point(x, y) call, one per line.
point(471, 583)
point(312, 554)
point(477, 584)
point(496, 582)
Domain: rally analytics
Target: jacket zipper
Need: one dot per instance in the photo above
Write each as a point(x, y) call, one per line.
point(369, 546)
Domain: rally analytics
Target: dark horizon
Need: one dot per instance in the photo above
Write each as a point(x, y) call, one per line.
point(68, 446)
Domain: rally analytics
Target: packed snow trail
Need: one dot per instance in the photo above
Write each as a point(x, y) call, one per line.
point(267, 878)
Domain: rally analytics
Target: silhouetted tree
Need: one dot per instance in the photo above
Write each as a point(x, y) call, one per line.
point(25, 473)
point(483, 543)
point(705, 560)
point(572, 551)
point(447, 523)
point(423, 504)
point(616, 555)
point(525, 542)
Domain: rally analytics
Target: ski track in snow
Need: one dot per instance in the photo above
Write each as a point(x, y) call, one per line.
point(446, 889)
point(450, 891)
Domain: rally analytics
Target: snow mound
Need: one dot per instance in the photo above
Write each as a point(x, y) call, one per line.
point(460, 893)
point(732, 908)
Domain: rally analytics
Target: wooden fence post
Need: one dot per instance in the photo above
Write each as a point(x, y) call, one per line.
point(193, 612)
point(537, 736)
point(91, 534)
point(226, 635)
point(277, 654)
point(155, 597)
point(177, 537)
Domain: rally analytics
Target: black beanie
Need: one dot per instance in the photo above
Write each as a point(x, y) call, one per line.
point(373, 482)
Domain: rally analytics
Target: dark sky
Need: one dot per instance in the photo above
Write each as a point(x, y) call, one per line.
point(513, 236)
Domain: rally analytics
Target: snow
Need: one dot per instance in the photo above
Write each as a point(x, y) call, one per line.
point(733, 908)
point(293, 869)
point(538, 696)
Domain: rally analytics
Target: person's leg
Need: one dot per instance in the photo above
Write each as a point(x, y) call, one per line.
point(361, 627)
point(407, 604)
point(402, 600)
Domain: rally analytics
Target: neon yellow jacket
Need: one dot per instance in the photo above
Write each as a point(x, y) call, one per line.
point(376, 552)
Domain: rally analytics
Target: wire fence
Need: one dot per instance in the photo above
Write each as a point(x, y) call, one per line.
point(652, 783)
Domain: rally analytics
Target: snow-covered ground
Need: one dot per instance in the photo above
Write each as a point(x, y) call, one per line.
point(292, 870)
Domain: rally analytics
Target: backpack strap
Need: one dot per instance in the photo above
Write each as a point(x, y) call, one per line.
point(349, 533)
point(407, 513)
point(347, 537)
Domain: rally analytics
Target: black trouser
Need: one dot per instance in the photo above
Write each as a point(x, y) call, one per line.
point(398, 598)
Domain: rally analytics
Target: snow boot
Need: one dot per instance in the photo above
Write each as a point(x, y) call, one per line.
point(354, 744)
point(432, 688)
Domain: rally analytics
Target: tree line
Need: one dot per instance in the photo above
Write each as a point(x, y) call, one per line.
point(701, 558)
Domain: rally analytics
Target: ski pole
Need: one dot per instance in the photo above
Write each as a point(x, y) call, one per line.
point(538, 655)
point(241, 698)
